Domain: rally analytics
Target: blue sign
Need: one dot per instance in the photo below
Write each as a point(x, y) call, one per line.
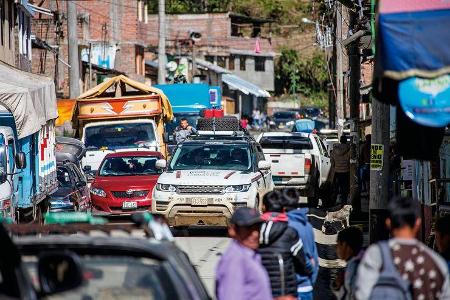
point(426, 101)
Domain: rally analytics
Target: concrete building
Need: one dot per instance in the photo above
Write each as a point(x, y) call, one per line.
point(111, 36)
point(15, 33)
point(234, 42)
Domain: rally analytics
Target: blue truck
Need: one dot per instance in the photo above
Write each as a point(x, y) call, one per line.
point(188, 99)
point(27, 144)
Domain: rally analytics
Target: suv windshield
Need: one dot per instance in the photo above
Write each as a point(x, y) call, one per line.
point(212, 156)
point(130, 135)
point(115, 277)
point(128, 166)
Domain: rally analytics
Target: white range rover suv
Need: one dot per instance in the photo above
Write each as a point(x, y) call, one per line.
point(209, 177)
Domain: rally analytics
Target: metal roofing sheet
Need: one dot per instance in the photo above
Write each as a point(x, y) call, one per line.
point(244, 86)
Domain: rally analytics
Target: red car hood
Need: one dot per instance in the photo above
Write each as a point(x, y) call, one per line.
point(124, 183)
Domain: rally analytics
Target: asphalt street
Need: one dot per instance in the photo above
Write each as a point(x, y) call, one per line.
point(204, 247)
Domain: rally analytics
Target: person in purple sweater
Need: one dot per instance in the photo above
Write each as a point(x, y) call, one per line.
point(240, 274)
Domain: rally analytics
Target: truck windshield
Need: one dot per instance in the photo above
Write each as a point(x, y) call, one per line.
point(129, 166)
point(3, 155)
point(215, 156)
point(130, 135)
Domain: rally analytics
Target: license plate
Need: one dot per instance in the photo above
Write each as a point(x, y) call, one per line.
point(129, 205)
point(199, 202)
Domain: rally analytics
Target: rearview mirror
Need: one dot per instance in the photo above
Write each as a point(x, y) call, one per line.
point(21, 162)
point(166, 138)
point(161, 164)
point(59, 272)
point(264, 165)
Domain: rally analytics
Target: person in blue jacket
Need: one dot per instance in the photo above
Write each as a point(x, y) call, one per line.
point(298, 219)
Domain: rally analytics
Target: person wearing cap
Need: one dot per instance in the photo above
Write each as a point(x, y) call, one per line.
point(239, 273)
point(298, 220)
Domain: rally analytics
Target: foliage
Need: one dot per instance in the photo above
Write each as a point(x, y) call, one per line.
point(302, 75)
point(281, 11)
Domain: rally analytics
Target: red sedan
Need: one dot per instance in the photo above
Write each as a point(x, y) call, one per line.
point(124, 183)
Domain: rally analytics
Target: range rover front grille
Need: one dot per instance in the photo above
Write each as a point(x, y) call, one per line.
point(200, 189)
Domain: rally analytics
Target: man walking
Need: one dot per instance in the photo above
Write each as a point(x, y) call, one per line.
point(183, 131)
point(340, 160)
point(240, 274)
point(298, 219)
point(281, 249)
point(403, 264)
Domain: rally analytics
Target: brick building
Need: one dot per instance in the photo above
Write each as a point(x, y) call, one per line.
point(237, 43)
point(111, 35)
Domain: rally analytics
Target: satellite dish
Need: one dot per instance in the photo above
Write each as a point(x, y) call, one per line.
point(172, 66)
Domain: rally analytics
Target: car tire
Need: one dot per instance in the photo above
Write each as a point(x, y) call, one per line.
point(219, 124)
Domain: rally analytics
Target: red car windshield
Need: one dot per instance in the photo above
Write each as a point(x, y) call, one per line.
point(129, 166)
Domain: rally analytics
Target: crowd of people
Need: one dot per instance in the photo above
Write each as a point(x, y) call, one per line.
point(274, 256)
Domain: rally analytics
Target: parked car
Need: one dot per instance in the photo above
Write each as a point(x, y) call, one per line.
point(72, 193)
point(124, 182)
point(308, 126)
point(310, 112)
point(299, 160)
point(283, 119)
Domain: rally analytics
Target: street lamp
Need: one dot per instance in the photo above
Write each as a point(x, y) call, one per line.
point(307, 21)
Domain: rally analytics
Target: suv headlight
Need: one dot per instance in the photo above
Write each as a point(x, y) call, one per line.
point(237, 188)
point(165, 187)
point(98, 192)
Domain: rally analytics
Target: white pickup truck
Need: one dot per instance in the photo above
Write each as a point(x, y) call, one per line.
point(299, 160)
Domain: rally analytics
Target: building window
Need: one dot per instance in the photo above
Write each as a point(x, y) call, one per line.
point(11, 24)
point(140, 66)
point(231, 62)
point(139, 8)
point(260, 64)
point(209, 58)
point(2, 8)
point(221, 61)
point(242, 61)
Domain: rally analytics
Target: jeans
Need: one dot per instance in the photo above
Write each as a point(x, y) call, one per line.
point(342, 181)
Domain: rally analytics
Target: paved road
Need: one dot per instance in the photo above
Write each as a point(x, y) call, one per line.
point(204, 248)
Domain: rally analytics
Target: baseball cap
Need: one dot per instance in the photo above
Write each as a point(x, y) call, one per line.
point(246, 216)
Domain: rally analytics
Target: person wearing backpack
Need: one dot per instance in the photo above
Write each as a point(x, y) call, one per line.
point(281, 249)
point(298, 219)
point(350, 249)
point(402, 268)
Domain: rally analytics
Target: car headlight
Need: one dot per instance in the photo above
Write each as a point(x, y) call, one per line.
point(237, 188)
point(290, 123)
point(98, 192)
point(166, 187)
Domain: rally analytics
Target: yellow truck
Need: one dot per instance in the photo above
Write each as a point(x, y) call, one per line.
point(120, 114)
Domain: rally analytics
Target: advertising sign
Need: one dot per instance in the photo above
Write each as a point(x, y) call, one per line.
point(376, 156)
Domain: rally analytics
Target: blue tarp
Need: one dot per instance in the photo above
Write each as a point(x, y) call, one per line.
point(190, 97)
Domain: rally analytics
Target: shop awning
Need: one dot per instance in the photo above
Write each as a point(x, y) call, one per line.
point(235, 82)
point(29, 97)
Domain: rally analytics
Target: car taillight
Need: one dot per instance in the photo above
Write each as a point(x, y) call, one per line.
point(307, 166)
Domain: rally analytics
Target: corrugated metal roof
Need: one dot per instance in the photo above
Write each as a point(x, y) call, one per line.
point(211, 66)
point(244, 86)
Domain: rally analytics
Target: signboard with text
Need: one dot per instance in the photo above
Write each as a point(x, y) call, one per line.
point(376, 156)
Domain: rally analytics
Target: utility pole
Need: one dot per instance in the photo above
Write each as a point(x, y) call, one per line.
point(162, 42)
point(90, 65)
point(194, 63)
point(339, 72)
point(379, 179)
point(74, 72)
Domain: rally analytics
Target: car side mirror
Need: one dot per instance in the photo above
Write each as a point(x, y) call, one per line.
point(264, 165)
point(87, 168)
point(161, 164)
point(166, 137)
point(59, 272)
point(21, 162)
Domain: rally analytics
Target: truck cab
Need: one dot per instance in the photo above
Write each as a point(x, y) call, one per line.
point(101, 138)
point(10, 161)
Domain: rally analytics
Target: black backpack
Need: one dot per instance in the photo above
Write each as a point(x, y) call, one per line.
point(390, 284)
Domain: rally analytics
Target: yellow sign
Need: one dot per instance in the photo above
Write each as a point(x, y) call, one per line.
point(376, 156)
